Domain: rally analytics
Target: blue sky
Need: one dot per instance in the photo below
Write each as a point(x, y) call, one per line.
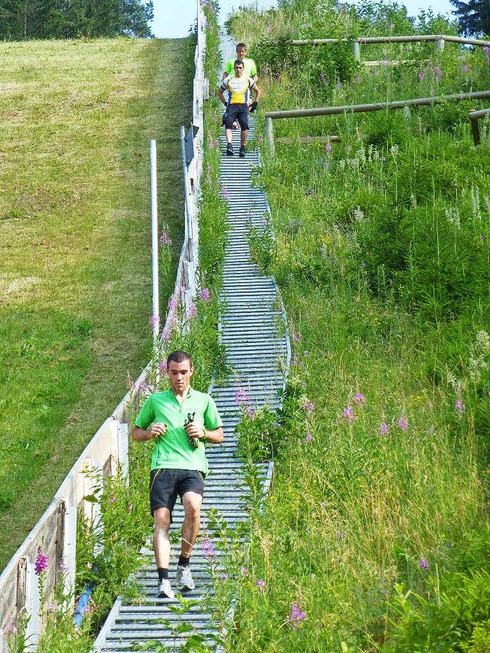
point(174, 17)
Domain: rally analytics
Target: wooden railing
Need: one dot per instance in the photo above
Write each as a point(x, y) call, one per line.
point(475, 117)
point(55, 533)
point(439, 39)
point(359, 108)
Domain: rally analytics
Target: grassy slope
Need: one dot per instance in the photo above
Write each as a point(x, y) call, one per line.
point(75, 286)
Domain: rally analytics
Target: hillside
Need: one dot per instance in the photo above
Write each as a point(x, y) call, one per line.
point(75, 287)
point(375, 532)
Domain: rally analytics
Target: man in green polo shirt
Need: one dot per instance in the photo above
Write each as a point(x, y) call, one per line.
point(179, 421)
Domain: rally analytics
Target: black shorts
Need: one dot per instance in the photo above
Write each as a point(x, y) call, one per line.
point(236, 112)
point(166, 484)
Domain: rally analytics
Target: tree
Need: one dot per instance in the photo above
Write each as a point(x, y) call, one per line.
point(45, 19)
point(473, 16)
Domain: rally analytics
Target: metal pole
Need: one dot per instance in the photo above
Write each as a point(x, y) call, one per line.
point(154, 241)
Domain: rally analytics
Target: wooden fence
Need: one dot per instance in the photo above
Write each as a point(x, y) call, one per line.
point(360, 108)
point(439, 39)
point(55, 533)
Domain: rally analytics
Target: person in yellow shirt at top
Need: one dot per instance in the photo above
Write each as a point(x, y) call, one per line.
point(239, 88)
point(249, 67)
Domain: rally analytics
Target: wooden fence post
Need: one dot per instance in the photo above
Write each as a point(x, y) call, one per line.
point(269, 135)
point(356, 47)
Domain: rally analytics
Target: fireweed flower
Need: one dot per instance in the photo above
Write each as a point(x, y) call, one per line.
point(383, 429)
point(308, 438)
point(208, 549)
point(296, 616)
point(359, 399)
point(163, 366)
point(154, 321)
point(241, 396)
point(421, 75)
point(349, 413)
point(63, 566)
point(173, 302)
point(249, 411)
point(191, 312)
point(459, 406)
point(261, 584)
point(244, 571)
point(328, 147)
point(41, 563)
point(165, 239)
point(423, 563)
point(308, 406)
point(403, 424)
point(205, 294)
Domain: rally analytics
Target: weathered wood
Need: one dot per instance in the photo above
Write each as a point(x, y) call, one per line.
point(288, 140)
point(391, 39)
point(475, 128)
point(378, 106)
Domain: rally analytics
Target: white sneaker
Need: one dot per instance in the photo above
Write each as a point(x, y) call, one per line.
point(165, 590)
point(184, 579)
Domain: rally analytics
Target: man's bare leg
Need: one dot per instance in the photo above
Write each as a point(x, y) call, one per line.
point(161, 548)
point(190, 528)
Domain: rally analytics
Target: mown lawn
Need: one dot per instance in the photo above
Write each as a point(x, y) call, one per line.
point(76, 118)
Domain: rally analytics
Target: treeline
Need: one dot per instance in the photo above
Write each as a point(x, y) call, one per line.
point(64, 19)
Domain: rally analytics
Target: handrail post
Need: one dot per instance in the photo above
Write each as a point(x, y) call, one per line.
point(356, 48)
point(440, 44)
point(475, 130)
point(154, 242)
point(269, 135)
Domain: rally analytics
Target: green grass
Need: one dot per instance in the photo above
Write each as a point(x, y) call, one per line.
point(75, 286)
point(377, 515)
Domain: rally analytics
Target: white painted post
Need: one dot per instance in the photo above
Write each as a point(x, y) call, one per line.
point(440, 44)
point(33, 608)
point(70, 548)
point(123, 445)
point(154, 241)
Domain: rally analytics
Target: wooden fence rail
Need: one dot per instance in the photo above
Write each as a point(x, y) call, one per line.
point(360, 108)
point(440, 40)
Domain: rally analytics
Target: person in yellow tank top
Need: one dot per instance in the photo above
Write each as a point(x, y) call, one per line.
point(238, 88)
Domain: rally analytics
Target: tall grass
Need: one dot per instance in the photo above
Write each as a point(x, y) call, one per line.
point(376, 518)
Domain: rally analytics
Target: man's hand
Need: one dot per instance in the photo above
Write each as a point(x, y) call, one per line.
point(253, 106)
point(158, 429)
point(195, 431)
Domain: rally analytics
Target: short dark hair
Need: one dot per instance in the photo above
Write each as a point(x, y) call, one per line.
point(179, 356)
point(240, 61)
point(240, 45)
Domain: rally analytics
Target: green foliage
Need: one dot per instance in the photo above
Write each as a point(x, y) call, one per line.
point(262, 245)
point(86, 18)
point(375, 526)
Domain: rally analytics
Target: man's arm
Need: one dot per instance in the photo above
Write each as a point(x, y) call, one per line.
point(221, 96)
point(258, 92)
point(143, 435)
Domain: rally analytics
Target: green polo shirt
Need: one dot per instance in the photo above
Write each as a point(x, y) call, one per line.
point(173, 450)
point(249, 67)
